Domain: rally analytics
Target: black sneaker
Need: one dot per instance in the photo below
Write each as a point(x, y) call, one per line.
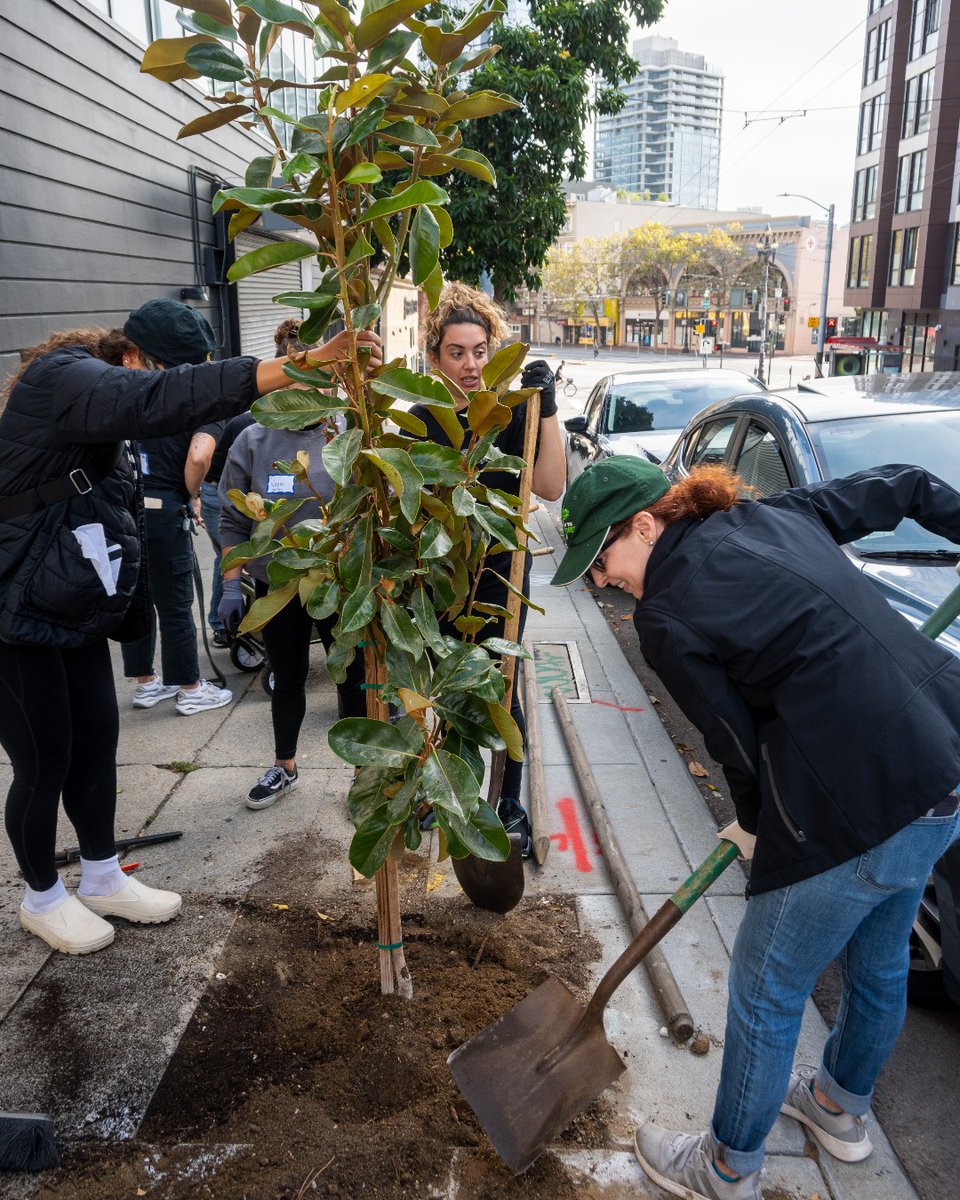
point(515, 820)
point(271, 785)
point(221, 639)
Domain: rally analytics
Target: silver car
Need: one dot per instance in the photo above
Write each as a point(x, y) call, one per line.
point(643, 412)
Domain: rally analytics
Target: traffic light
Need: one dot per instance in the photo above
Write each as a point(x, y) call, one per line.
point(786, 304)
point(680, 296)
point(830, 329)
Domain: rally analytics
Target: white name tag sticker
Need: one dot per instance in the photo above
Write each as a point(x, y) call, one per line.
point(144, 463)
point(280, 485)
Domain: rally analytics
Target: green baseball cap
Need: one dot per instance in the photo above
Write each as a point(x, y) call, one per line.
point(608, 491)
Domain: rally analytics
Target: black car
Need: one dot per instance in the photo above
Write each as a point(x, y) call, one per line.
point(834, 427)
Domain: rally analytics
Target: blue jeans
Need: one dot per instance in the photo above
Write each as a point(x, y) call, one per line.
point(210, 511)
point(862, 912)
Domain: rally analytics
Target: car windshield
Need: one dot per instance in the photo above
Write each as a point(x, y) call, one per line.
point(652, 405)
point(929, 439)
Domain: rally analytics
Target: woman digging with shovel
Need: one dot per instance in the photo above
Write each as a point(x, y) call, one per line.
point(837, 726)
point(461, 334)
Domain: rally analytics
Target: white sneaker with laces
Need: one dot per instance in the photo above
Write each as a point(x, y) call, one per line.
point(682, 1164)
point(149, 694)
point(841, 1134)
point(202, 698)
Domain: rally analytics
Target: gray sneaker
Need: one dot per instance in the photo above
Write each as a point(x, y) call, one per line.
point(682, 1163)
point(149, 694)
point(202, 698)
point(840, 1134)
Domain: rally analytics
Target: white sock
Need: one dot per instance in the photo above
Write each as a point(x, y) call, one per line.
point(46, 901)
point(100, 877)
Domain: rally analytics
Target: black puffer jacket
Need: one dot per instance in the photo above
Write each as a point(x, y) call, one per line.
point(71, 410)
point(835, 721)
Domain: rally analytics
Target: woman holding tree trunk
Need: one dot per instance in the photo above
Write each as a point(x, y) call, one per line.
point(462, 333)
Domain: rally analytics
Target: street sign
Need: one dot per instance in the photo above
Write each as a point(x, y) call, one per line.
point(705, 302)
point(810, 243)
point(698, 328)
point(778, 293)
point(813, 322)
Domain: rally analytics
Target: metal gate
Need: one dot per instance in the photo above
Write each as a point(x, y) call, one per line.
point(259, 316)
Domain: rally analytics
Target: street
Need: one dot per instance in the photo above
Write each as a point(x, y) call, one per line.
point(918, 1094)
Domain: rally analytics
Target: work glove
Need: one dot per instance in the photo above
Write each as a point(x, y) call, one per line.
point(744, 842)
point(231, 607)
point(537, 374)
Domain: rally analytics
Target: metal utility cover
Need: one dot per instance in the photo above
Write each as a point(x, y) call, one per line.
point(559, 666)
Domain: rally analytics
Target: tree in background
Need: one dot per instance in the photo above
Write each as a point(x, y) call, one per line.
point(551, 64)
point(583, 275)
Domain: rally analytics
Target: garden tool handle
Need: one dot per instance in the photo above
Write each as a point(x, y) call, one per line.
point(518, 560)
point(944, 614)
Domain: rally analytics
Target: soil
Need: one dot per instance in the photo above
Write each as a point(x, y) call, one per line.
point(297, 1078)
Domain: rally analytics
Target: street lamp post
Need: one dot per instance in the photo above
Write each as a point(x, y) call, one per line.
point(767, 248)
point(825, 287)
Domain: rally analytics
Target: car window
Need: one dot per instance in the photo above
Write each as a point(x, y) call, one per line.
point(592, 411)
point(709, 445)
point(651, 405)
point(760, 461)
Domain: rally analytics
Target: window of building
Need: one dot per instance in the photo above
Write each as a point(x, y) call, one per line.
point(911, 172)
point(865, 194)
point(877, 55)
point(861, 261)
point(903, 257)
point(875, 6)
point(871, 125)
point(955, 268)
point(145, 19)
point(917, 103)
point(924, 24)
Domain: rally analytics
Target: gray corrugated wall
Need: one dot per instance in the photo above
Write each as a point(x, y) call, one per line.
point(95, 208)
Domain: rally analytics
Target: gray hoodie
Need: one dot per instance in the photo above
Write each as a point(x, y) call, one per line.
point(250, 467)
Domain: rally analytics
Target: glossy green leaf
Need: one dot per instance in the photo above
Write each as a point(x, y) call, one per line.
point(325, 601)
point(427, 623)
point(498, 645)
point(314, 327)
point(311, 300)
point(385, 237)
point(483, 836)
point(358, 609)
point(435, 542)
point(213, 120)
point(403, 384)
point(404, 477)
point(424, 244)
point(369, 792)
point(457, 744)
point(219, 10)
point(437, 464)
point(340, 454)
point(335, 16)
point(277, 13)
point(380, 24)
point(364, 172)
point(362, 741)
point(361, 249)
point(449, 783)
point(364, 123)
point(408, 133)
point(443, 219)
point(266, 607)
point(166, 57)
point(260, 198)
point(260, 171)
point(400, 629)
point(473, 163)
point(469, 669)
point(421, 192)
point(296, 408)
point(391, 50)
point(200, 22)
point(365, 315)
point(371, 843)
point(266, 257)
point(508, 730)
point(433, 286)
point(470, 625)
point(361, 92)
point(478, 104)
point(216, 62)
point(408, 422)
point(471, 718)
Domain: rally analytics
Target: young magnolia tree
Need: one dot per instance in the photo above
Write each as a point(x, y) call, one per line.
point(401, 544)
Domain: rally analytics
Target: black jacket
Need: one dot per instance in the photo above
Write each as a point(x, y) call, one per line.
point(835, 721)
point(71, 410)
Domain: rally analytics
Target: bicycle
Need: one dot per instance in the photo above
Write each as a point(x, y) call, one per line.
point(569, 387)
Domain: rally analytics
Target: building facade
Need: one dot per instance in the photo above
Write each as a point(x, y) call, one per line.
point(903, 266)
point(103, 209)
point(665, 142)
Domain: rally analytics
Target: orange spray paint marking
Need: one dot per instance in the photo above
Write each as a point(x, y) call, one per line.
point(571, 838)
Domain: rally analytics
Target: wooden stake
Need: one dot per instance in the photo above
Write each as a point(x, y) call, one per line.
point(534, 756)
point(394, 972)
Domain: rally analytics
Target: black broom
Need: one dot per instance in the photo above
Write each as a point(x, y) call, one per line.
point(27, 1142)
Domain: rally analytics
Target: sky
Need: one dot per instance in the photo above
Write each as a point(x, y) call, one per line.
point(779, 59)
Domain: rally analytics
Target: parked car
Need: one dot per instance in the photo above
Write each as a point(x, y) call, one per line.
point(832, 427)
point(643, 412)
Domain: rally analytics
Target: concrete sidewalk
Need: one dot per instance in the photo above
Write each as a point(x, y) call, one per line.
point(125, 1023)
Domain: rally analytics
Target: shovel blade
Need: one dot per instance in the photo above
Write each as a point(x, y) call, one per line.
point(522, 1093)
point(495, 886)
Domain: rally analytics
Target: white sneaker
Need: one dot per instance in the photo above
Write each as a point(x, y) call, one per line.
point(202, 698)
point(137, 902)
point(149, 694)
point(69, 927)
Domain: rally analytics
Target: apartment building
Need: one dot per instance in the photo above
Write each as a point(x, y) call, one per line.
point(664, 144)
point(903, 266)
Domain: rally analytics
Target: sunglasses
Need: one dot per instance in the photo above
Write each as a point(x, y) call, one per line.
point(616, 532)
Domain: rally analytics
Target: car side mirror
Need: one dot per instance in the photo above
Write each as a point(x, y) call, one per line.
point(576, 424)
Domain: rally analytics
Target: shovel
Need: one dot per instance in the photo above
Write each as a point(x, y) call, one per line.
point(498, 886)
point(531, 1072)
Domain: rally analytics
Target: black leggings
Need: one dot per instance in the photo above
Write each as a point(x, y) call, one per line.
point(286, 638)
point(59, 725)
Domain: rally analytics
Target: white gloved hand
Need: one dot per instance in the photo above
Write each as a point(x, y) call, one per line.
point(744, 842)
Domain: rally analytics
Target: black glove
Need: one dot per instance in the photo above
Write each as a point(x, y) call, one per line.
point(537, 374)
point(231, 607)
